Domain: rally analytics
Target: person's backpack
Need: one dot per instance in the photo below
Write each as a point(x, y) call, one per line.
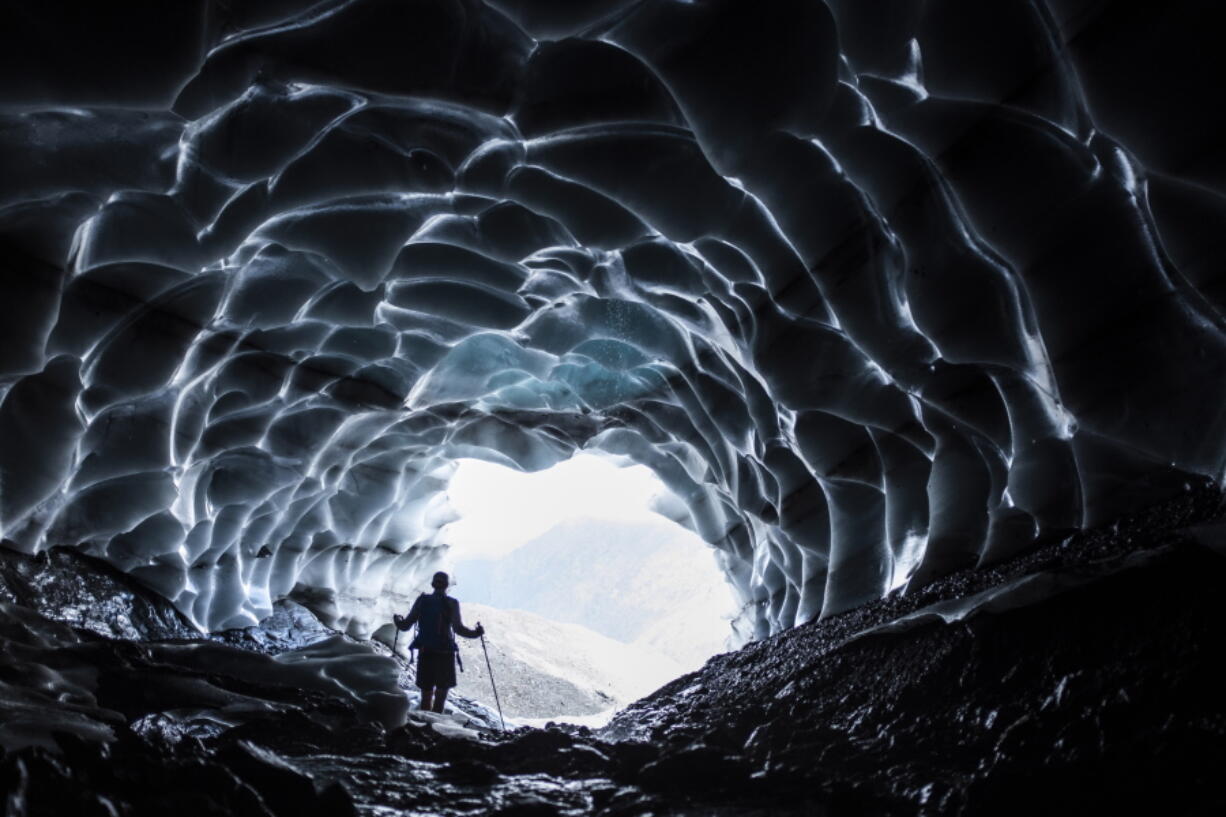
point(434, 631)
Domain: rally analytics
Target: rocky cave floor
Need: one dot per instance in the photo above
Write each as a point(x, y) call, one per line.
point(1083, 678)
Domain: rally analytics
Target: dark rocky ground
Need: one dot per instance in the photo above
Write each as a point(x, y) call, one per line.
point(1084, 678)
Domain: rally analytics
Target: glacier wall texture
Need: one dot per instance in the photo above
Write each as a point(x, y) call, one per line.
point(879, 290)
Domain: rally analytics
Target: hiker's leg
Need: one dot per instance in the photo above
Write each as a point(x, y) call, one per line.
point(425, 699)
point(440, 698)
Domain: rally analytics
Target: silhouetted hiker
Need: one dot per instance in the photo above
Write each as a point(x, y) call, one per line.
point(437, 616)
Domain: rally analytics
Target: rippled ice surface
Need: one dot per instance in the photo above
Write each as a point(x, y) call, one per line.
point(879, 295)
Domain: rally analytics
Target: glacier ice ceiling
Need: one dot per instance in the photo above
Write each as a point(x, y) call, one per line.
point(880, 291)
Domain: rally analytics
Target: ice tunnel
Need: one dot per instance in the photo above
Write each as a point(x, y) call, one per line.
point(916, 309)
point(880, 291)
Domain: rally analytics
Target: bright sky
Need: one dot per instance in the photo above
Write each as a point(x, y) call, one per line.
point(502, 508)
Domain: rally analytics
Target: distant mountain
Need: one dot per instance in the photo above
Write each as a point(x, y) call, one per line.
point(550, 669)
point(648, 583)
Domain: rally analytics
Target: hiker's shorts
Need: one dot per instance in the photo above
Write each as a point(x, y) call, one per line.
point(435, 669)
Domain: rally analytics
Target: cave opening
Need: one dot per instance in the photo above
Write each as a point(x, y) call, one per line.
point(591, 594)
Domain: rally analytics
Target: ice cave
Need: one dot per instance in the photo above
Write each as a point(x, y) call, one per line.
point(915, 309)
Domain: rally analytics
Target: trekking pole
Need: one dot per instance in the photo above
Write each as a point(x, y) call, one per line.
point(399, 670)
point(396, 621)
point(492, 684)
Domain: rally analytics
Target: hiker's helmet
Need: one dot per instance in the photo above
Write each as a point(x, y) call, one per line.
point(441, 581)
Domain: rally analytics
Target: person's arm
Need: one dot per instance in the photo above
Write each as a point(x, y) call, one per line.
point(414, 613)
point(457, 623)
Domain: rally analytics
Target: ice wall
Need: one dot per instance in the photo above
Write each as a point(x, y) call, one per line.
point(880, 290)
